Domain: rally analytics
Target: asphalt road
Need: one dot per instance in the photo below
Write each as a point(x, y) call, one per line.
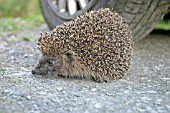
point(145, 89)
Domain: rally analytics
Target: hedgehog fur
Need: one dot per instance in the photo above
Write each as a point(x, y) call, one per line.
point(96, 45)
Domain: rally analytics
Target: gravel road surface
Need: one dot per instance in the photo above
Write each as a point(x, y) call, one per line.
point(145, 89)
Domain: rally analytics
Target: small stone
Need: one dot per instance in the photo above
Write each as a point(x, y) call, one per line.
point(109, 94)
point(145, 99)
point(168, 92)
point(165, 78)
point(31, 55)
point(93, 89)
point(19, 103)
point(12, 38)
point(87, 86)
point(24, 69)
point(26, 55)
point(5, 92)
point(42, 93)
point(129, 87)
point(64, 92)
point(77, 95)
point(59, 88)
point(35, 106)
point(28, 97)
point(39, 87)
point(97, 105)
point(11, 51)
point(126, 92)
point(152, 91)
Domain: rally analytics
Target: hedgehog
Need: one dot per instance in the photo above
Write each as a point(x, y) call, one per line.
point(97, 45)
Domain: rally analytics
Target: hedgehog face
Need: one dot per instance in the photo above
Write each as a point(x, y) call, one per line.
point(54, 65)
point(48, 65)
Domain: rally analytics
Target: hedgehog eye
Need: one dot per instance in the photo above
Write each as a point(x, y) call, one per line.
point(50, 62)
point(68, 56)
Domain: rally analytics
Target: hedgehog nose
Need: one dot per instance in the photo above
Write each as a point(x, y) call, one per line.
point(33, 72)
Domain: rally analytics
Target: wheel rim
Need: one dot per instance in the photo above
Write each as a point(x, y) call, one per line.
point(68, 9)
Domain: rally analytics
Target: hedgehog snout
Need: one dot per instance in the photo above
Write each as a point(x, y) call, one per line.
point(45, 66)
point(33, 72)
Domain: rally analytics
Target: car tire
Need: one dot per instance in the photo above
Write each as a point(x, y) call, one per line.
point(141, 15)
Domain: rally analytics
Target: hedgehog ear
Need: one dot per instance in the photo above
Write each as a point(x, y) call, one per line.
point(68, 56)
